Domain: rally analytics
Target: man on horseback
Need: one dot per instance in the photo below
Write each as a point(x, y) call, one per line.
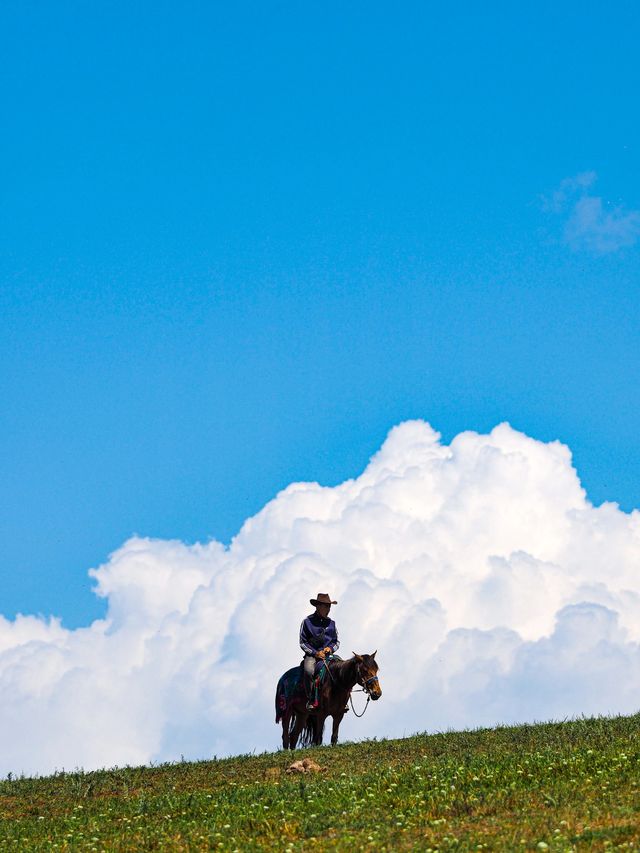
point(318, 638)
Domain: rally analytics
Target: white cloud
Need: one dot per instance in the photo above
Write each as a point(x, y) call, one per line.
point(589, 223)
point(493, 590)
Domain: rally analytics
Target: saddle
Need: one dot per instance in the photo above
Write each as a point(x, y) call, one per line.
point(320, 669)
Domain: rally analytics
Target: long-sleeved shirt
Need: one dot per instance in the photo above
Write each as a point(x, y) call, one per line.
point(318, 632)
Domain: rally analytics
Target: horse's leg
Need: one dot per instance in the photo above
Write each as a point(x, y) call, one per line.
point(337, 719)
point(319, 722)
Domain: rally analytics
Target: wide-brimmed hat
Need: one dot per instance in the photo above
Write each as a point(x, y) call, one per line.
point(323, 598)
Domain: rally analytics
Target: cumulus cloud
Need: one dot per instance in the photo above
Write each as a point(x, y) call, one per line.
point(492, 588)
point(589, 223)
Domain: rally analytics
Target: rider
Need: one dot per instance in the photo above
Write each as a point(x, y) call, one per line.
point(318, 638)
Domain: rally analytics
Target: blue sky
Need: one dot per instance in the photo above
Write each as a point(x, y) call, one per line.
point(242, 241)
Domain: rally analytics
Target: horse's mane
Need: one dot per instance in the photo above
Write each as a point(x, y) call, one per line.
point(340, 668)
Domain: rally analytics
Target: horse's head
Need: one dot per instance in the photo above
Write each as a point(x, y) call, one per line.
point(367, 674)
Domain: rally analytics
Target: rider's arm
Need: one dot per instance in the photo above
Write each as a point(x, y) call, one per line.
point(334, 642)
point(304, 644)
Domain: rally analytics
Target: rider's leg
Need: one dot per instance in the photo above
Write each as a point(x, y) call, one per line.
point(309, 671)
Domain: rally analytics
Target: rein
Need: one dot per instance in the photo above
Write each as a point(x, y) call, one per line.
point(365, 707)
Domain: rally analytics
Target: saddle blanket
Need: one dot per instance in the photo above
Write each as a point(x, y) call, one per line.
point(291, 685)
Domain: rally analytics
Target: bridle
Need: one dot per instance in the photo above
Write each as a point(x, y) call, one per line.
point(364, 683)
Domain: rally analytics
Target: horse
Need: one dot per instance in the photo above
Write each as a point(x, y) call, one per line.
point(341, 676)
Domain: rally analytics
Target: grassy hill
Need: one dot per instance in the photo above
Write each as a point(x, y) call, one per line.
point(556, 786)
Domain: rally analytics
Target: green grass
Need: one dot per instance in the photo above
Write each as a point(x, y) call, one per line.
point(569, 786)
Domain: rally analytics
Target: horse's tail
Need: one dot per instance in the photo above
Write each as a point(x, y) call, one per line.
point(312, 731)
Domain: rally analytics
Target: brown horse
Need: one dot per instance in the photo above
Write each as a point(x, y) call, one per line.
point(340, 678)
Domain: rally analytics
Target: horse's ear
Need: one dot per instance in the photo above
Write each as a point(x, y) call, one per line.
point(356, 656)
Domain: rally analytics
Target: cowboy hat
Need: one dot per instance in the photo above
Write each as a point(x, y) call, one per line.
point(322, 598)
